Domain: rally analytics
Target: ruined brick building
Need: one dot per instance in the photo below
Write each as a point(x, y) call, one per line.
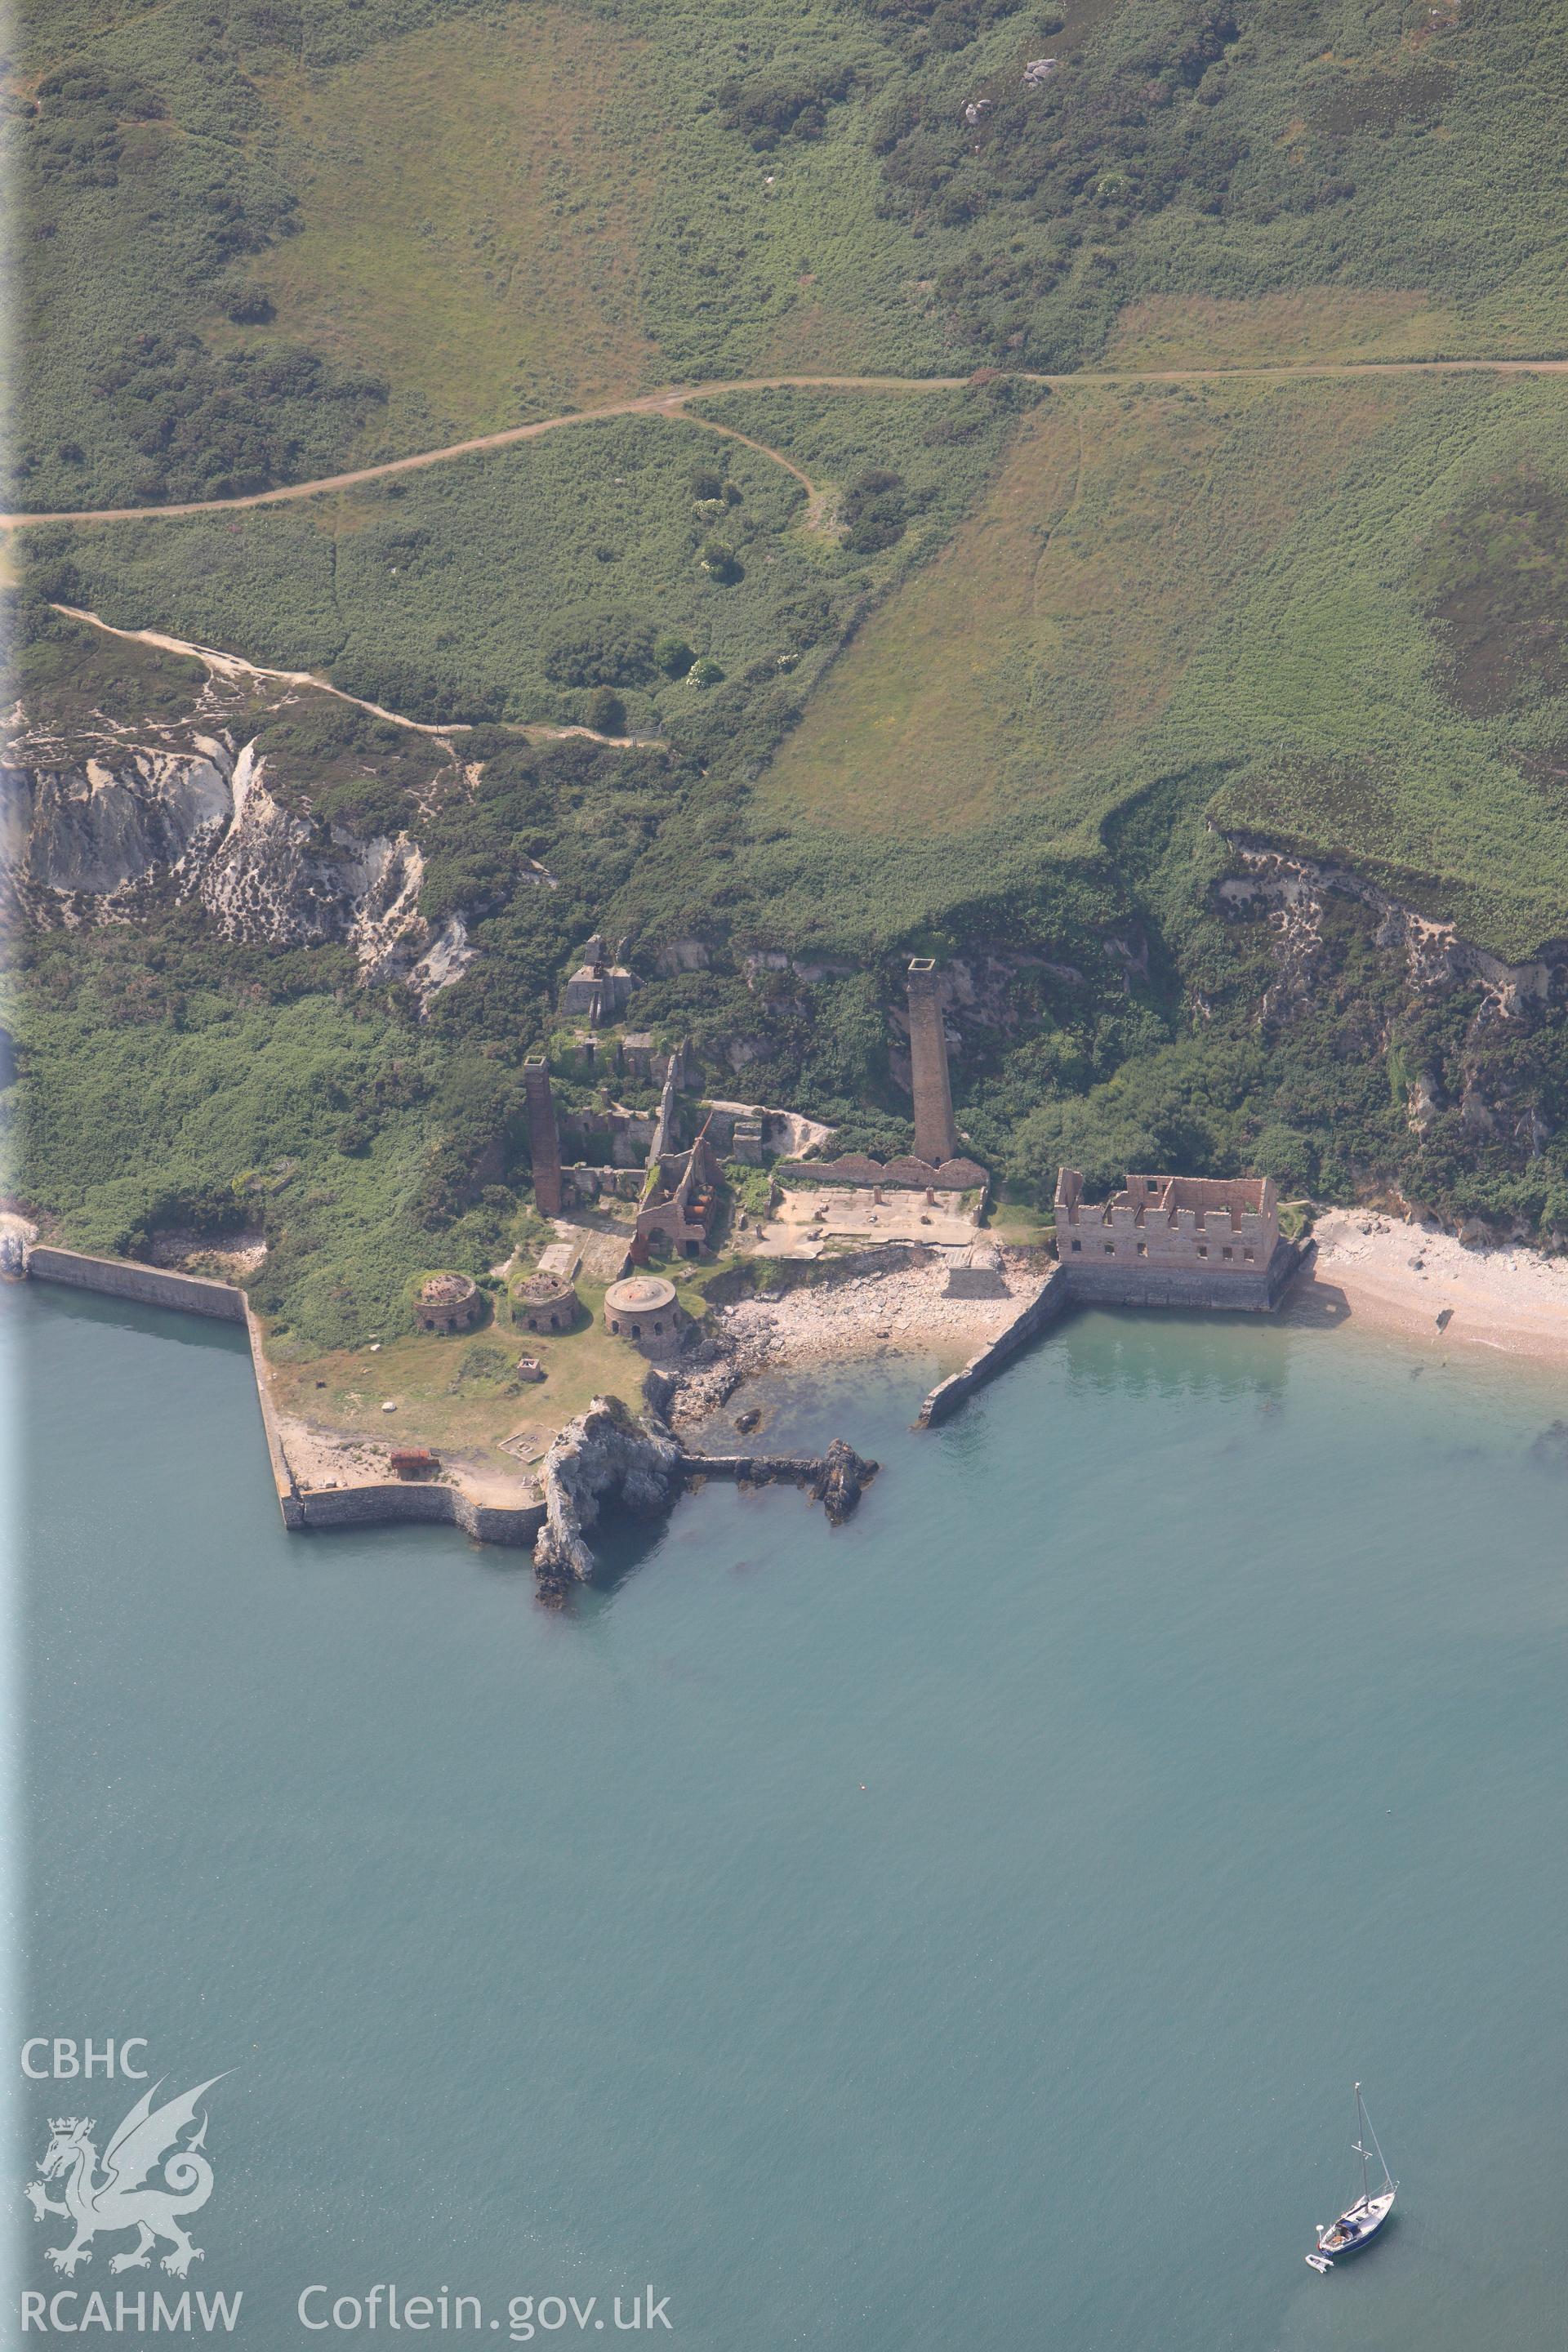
point(1174, 1240)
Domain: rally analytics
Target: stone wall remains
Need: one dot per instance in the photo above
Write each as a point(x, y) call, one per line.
point(1171, 1223)
point(905, 1175)
point(358, 1507)
point(810, 1273)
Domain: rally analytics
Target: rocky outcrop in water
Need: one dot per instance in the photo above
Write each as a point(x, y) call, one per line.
point(841, 1478)
point(606, 1455)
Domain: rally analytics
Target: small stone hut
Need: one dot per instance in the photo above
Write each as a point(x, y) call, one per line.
point(449, 1302)
point(978, 1273)
point(644, 1309)
point(546, 1302)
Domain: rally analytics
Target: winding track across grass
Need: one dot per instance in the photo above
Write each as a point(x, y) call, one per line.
point(673, 400)
point(236, 665)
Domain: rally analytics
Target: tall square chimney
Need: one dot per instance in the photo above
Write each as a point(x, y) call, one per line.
point(936, 1138)
point(543, 1141)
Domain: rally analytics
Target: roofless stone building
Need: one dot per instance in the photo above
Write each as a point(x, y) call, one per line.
point(1174, 1240)
point(546, 1302)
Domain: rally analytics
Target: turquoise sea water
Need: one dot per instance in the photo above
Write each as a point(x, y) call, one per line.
point(960, 1930)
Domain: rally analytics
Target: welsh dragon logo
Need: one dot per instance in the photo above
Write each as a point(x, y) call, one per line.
point(124, 2195)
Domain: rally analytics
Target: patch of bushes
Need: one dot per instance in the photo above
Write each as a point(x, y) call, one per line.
point(875, 511)
point(601, 649)
point(767, 108)
point(223, 428)
point(606, 712)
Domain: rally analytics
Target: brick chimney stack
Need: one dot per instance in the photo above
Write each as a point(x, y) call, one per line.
point(544, 1141)
point(936, 1138)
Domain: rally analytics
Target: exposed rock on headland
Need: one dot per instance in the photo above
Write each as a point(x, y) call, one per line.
point(608, 1456)
point(604, 1455)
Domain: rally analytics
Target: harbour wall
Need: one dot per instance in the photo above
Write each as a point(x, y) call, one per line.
point(1071, 1286)
point(417, 1501)
point(148, 1285)
point(365, 1505)
point(1047, 1306)
point(752, 1469)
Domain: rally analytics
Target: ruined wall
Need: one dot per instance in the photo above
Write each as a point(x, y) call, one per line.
point(584, 1181)
point(764, 1277)
point(904, 1175)
point(631, 1132)
point(358, 1507)
point(1169, 1223)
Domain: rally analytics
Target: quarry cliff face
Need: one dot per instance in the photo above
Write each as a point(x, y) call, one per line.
point(99, 826)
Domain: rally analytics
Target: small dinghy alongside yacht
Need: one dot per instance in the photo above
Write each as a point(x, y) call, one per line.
point(1360, 2222)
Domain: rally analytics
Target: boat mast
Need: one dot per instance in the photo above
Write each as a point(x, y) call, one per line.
point(1360, 2141)
point(1388, 2181)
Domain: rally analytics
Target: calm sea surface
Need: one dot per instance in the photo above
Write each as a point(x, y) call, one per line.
point(959, 1930)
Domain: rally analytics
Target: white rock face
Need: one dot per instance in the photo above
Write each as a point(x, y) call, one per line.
point(99, 829)
point(102, 837)
point(447, 959)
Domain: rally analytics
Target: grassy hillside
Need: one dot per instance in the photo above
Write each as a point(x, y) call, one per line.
point(460, 593)
point(986, 682)
point(960, 677)
point(1263, 579)
point(470, 215)
point(263, 237)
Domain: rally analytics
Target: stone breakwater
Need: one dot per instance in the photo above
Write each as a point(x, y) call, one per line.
point(1048, 1305)
point(147, 1286)
point(1071, 1286)
point(371, 1502)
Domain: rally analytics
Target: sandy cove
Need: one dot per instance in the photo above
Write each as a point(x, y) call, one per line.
point(1383, 1275)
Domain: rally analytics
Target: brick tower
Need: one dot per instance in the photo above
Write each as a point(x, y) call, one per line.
point(543, 1142)
point(936, 1138)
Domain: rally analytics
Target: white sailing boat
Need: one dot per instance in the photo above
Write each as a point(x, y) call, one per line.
point(1372, 2209)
